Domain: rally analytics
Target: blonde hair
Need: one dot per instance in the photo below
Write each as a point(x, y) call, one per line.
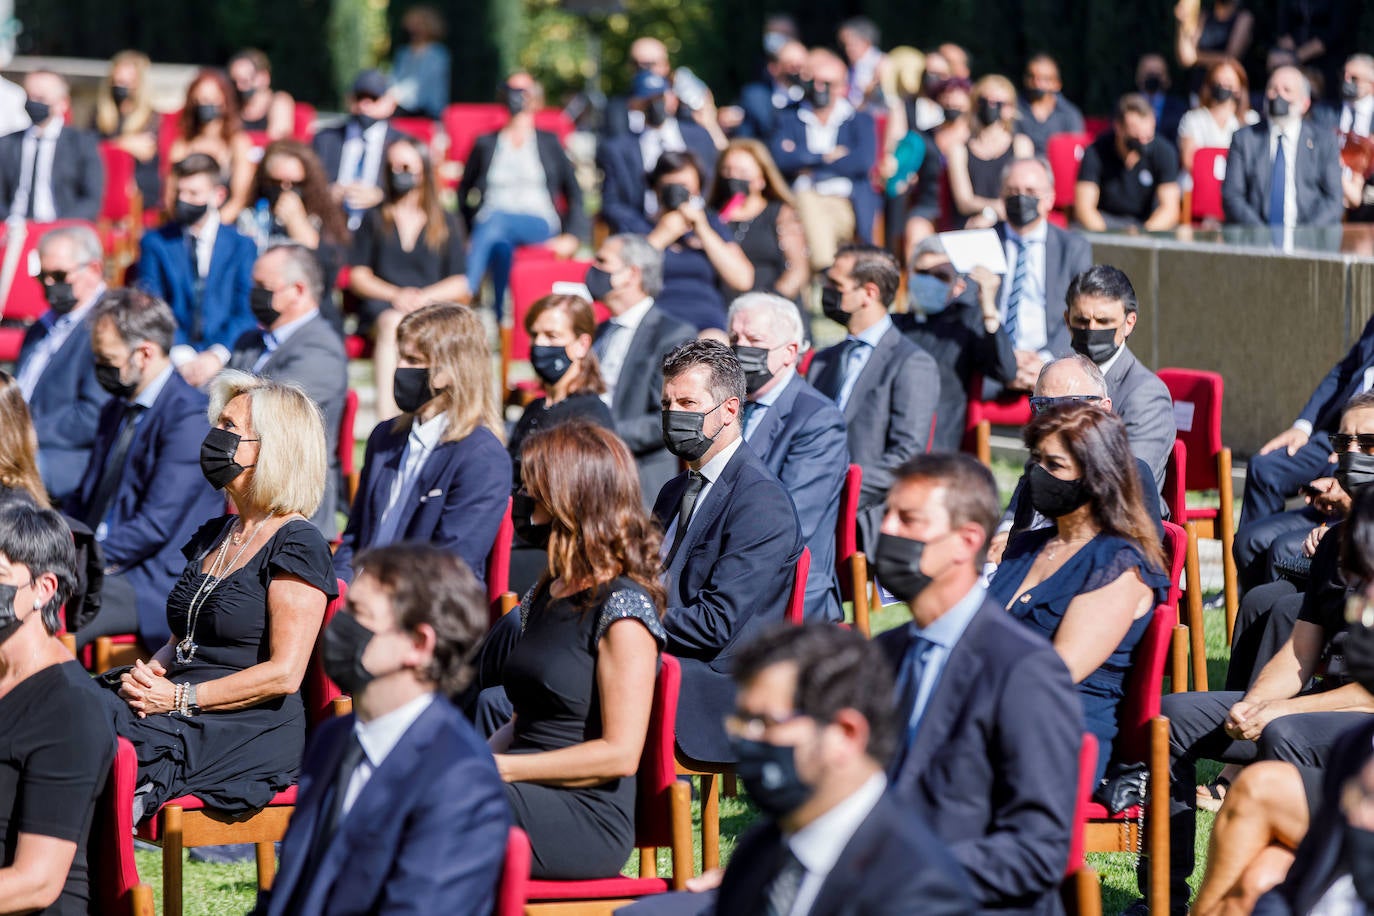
point(107, 112)
point(452, 341)
point(18, 443)
point(902, 76)
point(292, 456)
point(995, 81)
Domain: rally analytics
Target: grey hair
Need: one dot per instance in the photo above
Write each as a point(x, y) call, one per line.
point(1304, 82)
point(1038, 160)
point(137, 317)
point(299, 265)
point(1096, 380)
point(931, 244)
point(784, 324)
point(636, 251)
point(864, 27)
point(85, 243)
point(1361, 60)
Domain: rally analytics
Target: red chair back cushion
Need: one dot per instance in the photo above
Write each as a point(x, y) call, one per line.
point(421, 129)
point(846, 525)
point(1145, 682)
point(1175, 482)
point(303, 126)
point(464, 122)
point(113, 871)
point(796, 602)
point(498, 561)
point(1197, 398)
point(1087, 769)
point(318, 691)
point(347, 440)
point(1209, 171)
point(119, 182)
point(658, 766)
point(1065, 153)
point(532, 279)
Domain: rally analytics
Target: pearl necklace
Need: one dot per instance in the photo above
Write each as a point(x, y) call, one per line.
point(186, 649)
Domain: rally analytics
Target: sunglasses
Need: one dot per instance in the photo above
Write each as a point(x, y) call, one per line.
point(1040, 404)
point(1342, 442)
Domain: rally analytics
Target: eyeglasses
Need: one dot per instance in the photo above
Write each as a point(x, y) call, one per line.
point(753, 728)
point(49, 277)
point(1342, 442)
point(1040, 404)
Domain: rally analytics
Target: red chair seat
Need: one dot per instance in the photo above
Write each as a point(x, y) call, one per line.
point(602, 889)
point(11, 342)
point(1200, 512)
point(357, 346)
point(1096, 812)
point(148, 830)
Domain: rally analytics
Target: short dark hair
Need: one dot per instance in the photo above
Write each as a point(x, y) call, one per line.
point(301, 266)
point(431, 586)
point(970, 489)
point(1133, 103)
point(1361, 401)
point(836, 669)
point(874, 265)
point(1103, 281)
point(726, 377)
point(199, 164)
point(137, 317)
point(862, 26)
point(675, 161)
point(41, 540)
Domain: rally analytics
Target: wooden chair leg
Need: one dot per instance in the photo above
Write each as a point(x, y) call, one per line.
point(141, 898)
point(1159, 815)
point(1087, 892)
point(648, 862)
point(266, 855)
point(171, 860)
point(1193, 578)
point(710, 822)
point(858, 586)
point(1178, 665)
point(1227, 533)
point(680, 806)
point(982, 440)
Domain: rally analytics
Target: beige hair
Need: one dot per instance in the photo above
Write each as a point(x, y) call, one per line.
point(292, 456)
point(452, 340)
point(902, 77)
point(107, 112)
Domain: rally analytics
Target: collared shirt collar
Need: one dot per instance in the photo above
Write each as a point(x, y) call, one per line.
point(770, 397)
point(842, 112)
point(712, 469)
point(428, 433)
point(1290, 131)
point(76, 315)
point(275, 338)
point(819, 844)
point(873, 334)
point(380, 736)
point(51, 132)
point(1039, 234)
point(632, 316)
point(148, 396)
point(947, 630)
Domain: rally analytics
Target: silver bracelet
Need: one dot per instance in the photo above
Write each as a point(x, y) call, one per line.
point(190, 700)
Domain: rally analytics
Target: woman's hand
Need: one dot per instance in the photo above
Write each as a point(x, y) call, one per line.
point(563, 246)
point(146, 689)
point(290, 209)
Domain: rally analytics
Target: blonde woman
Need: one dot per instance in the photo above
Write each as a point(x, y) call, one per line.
point(125, 117)
point(975, 168)
point(19, 478)
point(439, 473)
point(217, 712)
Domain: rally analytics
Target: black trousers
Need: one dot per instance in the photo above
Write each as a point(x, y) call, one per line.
point(1263, 624)
point(1262, 543)
point(118, 613)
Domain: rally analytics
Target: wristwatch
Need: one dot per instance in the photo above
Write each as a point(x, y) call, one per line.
point(990, 213)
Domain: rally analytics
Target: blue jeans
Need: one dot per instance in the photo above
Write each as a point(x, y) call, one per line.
point(493, 245)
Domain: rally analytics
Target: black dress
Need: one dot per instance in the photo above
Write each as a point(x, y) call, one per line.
point(377, 246)
point(758, 238)
point(56, 749)
point(985, 175)
point(235, 761)
point(540, 415)
point(550, 678)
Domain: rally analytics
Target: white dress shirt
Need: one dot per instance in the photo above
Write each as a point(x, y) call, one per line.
point(378, 739)
point(764, 402)
point(822, 139)
point(1340, 899)
point(44, 211)
point(1356, 117)
point(423, 439)
point(819, 845)
point(361, 156)
point(1289, 134)
point(1031, 333)
point(618, 345)
point(60, 328)
point(653, 143)
point(858, 357)
point(711, 471)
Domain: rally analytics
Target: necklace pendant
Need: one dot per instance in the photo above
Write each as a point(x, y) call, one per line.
point(186, 650)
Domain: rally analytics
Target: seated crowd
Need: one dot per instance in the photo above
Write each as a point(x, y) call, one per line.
point(172, 476)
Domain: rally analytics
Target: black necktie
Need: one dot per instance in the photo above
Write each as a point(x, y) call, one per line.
point(328, 823)
point(114, 467)
point(684, 511)
point(32, 171)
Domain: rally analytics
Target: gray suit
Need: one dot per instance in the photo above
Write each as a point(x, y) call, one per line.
point(1316, 170)
point(313, 358)
point(1067, 254)
point(1143, 403)
point(889, 415)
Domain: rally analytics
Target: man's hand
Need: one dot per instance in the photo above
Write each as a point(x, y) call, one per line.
point(1246, 721)
point(706, 881)
point(1291, 439)
point(1028, 366)
point(201, 369)
point(361, 196)
point(997, 546)
point(1314, 537)
point(1330, 499)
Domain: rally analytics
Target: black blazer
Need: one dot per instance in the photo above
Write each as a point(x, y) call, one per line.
point(993, 767)
point(78, 175)
point(625, 180)
point(1067, 254)
point(893, 865)
point(635, 406)
point(730, 578)
point(1317, 173)
point(558, 177)
point(329, 145)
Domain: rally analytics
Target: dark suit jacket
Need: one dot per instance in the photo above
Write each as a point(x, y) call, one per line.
point(164, 271)
point(1344, 381)
point(991, 769)
point(427, 834)
point(760, 115)
point(624, 179)
point(889, 414)
point(893, 864)
point(457, 504)
point(638, 393)
point(1067, 254)
point(802, 440)
point(730, 578)
point(162, 496)
point(313, 358)
point(857, 135)
point(78, 175)
point(1317, 173)
point(1321, 854)
point(1144, 404)
point(559, 178)
point(65, 406)
point(329, 144)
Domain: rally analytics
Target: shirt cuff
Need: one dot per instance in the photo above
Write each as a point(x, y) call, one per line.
point(221, 353)
point(1303, 427)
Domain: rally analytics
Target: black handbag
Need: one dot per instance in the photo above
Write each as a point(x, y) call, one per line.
point(1124, 785)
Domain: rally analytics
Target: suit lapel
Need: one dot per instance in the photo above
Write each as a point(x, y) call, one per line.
point(632, 369)
point(435, 466)
point(872, 372)
point(942, 710)
point(707, 510)
point(855, 860)
point(305, 818)
point(387, 471)
point(770, 424)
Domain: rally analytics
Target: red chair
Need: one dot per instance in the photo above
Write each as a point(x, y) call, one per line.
point(20, 291)
point(515, 874)
point(1095, 127)
point(530, 280)
point(796, 602)
point(1206, 465)
point(121, 209)
point(187, 822)
point(500, 598)
point(1081, 892)
point(1209, 171)
point(1065, 153)
point(303, 126)
point(464, 122)
point(421, 129)
point(348, 442)
point(663, 817)
point(168, 129)
point(1010, 408)
point(851, 562)
point(115, 887)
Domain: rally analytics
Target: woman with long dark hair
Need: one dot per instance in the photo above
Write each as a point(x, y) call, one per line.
point(210, 124)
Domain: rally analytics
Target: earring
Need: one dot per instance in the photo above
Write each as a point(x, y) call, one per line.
point(37, 604)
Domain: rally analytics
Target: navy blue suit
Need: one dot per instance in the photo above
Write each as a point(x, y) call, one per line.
point(427, 833)
point(164, 270)
point(857, 135)
point(760, 114)
point(625, 178)
point(65, 406)
point(161, 500)
point(730, 578)
point(801, 438)
point(457, 504)
point(993, 765)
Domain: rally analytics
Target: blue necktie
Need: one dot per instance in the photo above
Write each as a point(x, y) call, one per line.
point(1018, 286)
point(909, 693)
point(1278, 179)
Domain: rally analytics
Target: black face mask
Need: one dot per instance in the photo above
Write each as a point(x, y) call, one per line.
point(521, 510)
point(260, 302)
point(657, 113)
point(403, 183)
point(411, 389)
point(897, 563)
point(1354, 471)
point(108, 378)
point(1359, 852)
point(989, 112)
point(550, 363)
point(1035, 95)
point(245, 94)
point(120, 94)
point(818, 96)
point(60, 297)
point(515, 101)
point(1052, 497)
point(1222, 94)
point(832, 305)
point(672, 196)
point(9, 620)
point(1022, 209)
point(1097, 344)
point(1278, 107)
point(38, 112)
point(207, 113)
point(769, 774)
point(1350, 90)
point(684, 433)
point(1152, 84)
point(1135, 145)
point(345, 641)
point(189, 214)
point(738, 186)
point(217, 457)
point(598, 283)
point(754, 362)
point(951, 114)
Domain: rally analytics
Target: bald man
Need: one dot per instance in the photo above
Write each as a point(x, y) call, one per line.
point(50, 171)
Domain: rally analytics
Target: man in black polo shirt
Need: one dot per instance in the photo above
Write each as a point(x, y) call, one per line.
point(1129, 176)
